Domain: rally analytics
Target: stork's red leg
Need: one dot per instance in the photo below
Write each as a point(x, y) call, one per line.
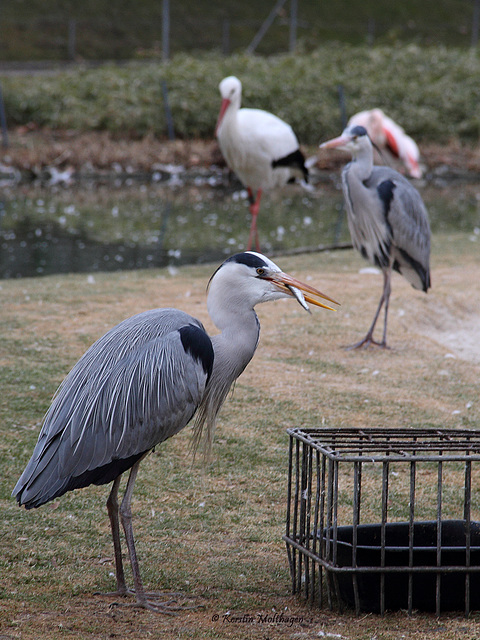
point(254, 209)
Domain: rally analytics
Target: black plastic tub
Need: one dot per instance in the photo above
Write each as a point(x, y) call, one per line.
point(457, 556)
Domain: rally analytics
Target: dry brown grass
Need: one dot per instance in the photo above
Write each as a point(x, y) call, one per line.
point(216, 533)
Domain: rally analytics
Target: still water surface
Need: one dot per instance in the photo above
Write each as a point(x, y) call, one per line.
point(133, 223)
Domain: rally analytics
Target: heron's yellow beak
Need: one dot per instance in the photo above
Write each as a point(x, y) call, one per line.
point(302, 292)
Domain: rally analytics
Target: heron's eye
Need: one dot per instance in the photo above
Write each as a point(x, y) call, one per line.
point(260, 271)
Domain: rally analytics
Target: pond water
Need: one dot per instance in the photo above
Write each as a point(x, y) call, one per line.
point(129, 222)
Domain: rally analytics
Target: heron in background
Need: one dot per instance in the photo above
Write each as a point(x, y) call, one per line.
point(387, 134)
point(141, 383)
point(387, 219)
point(258, 146)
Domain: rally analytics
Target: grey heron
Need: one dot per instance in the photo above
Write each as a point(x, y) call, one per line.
point(141, 383)
point(387, 219)
point(260, 148)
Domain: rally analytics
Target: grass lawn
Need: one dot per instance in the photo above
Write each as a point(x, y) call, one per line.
point(215, 531)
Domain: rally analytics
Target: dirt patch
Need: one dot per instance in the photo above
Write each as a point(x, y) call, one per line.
point(32, 149)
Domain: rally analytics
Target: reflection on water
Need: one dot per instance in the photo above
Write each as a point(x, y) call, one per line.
point(130, 225)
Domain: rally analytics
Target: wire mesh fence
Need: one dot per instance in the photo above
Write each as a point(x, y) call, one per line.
point(60, 37)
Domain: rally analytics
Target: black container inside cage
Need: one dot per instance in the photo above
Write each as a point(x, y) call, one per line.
point(356, 530)
point(409, 546)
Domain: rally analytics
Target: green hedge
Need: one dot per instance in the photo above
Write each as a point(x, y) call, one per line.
point(434, 93)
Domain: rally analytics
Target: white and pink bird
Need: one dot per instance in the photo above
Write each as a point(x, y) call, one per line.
point(260, 148)
point(388, 135)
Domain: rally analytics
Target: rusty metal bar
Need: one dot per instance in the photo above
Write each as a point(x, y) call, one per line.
point(329, 543)
point(468, 530)
point(335, 529)
point(438, 591)
point(411, 520)
point(296, 578)
point(322, 510)
point(291, 551)
point(385, 471)
point(357, 480)
point(303, 533)
point(391, 569)
point(308, 519)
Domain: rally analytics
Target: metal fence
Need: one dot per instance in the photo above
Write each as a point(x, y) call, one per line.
point(60, 38)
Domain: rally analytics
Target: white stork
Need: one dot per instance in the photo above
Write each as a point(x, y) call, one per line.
point(258, 146)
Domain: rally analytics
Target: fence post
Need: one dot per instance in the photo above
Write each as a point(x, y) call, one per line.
point(165, 30)
point(370, 32)
point(168, 112)
point(293, 24)
point(226, 37)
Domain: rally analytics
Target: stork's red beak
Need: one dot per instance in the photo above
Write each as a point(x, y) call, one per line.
point(223, 107)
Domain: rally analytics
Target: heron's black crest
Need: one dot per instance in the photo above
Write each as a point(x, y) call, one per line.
point(246, 258)
point(197, 343)
point(249, 259)
point(359, 131)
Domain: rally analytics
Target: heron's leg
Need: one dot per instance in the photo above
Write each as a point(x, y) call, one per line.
point(254, 209)
point(112, 508)
point(126, 517)
point(170, 604)
point(387, 288)
point(368, 339)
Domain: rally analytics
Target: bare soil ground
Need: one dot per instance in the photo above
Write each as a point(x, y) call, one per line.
point(32, 149)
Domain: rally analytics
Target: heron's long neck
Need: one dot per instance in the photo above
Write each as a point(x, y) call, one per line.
point(233, 348)
point(235, 345)
point(360, 168)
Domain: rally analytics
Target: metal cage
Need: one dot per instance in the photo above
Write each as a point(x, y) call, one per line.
point(382, 519)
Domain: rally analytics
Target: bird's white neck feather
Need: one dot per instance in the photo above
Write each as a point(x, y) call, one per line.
point(362, 163)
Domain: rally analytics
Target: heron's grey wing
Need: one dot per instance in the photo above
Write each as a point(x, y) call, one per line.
point(367, 223)
point(106, 416)
point(410, 229)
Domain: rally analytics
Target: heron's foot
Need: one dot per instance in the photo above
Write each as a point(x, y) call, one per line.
point(368, 341)
point(158, 602)
point(119, 593)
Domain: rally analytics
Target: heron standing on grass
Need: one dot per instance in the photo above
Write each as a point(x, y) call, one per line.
point(387, 219)
point(258, 146)
point(141, 383)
